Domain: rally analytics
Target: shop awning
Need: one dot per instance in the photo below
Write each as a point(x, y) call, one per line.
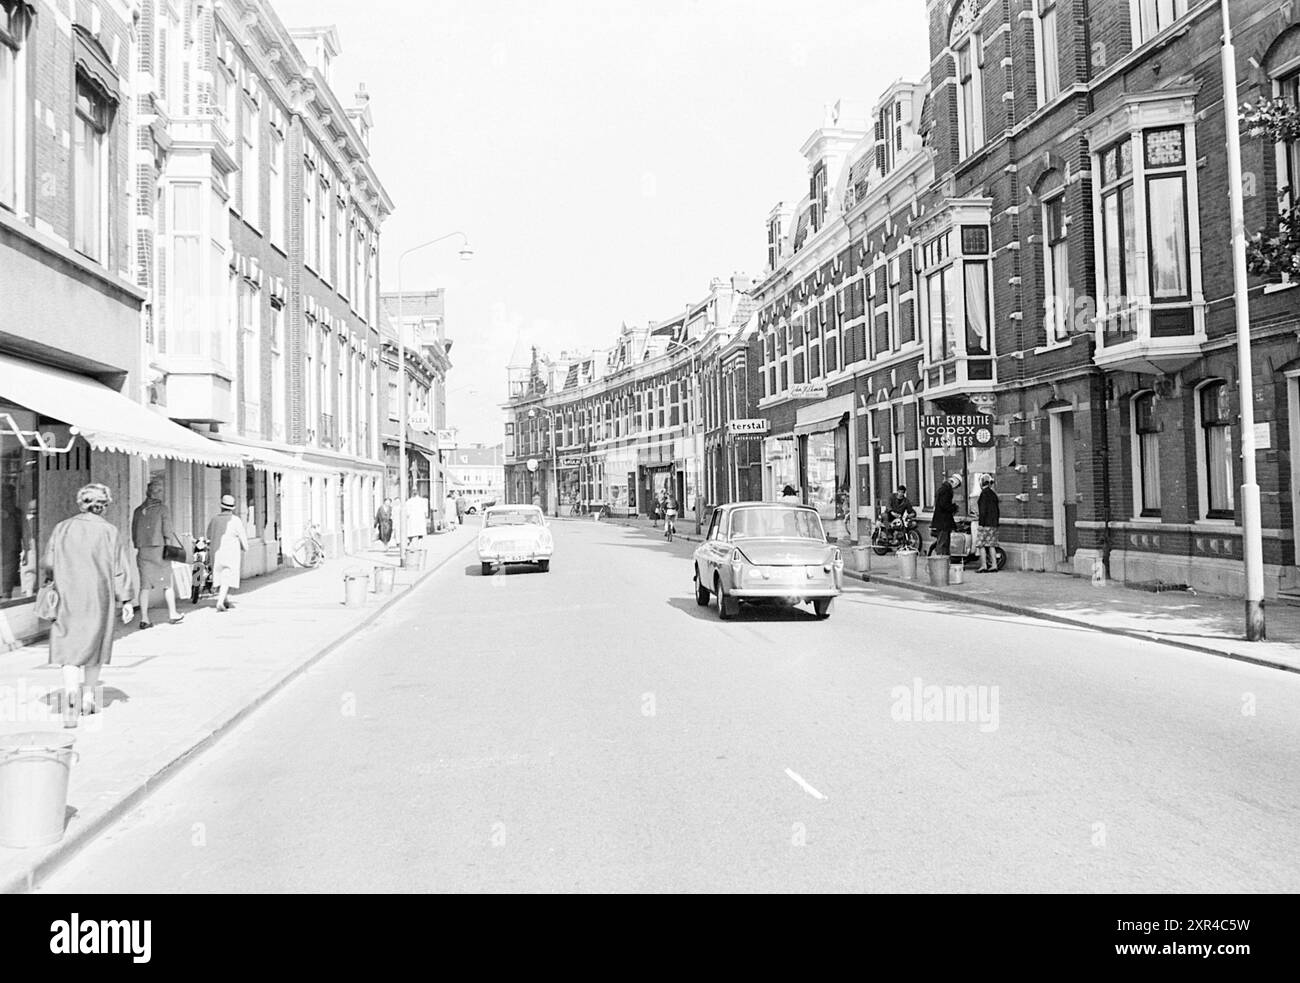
point(107, 420)
point(268, 459)
point(821, 426)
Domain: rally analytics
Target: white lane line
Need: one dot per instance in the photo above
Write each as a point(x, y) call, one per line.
point(805, 786)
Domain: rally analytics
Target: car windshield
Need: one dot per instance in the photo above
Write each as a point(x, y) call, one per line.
point(513, 517)
point(776, 522)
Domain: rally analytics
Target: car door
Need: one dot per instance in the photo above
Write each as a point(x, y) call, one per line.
point(708, 549)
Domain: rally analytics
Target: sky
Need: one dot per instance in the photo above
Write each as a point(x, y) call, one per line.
point(606, 159)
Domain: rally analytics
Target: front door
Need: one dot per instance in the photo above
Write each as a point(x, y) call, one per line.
point(1065, 496)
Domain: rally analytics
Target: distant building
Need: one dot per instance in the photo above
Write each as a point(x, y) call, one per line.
point(477, 472)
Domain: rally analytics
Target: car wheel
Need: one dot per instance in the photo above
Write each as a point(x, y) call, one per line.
point(485, 569)
point(728, 607)
point(822, 607)
point(543, 566)
point(701, 592)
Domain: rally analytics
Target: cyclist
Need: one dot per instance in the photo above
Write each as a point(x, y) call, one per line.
point(668, 506)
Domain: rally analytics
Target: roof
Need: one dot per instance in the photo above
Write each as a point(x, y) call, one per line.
point(475, 457)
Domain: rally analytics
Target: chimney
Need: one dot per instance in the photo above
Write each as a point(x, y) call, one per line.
point(740, 282)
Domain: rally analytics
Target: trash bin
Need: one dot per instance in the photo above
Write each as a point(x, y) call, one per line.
point(937, 566)
point(415, 558)
point(861, 559)
point(956, 571)
point(355, 586)
point(907, 564)
point(385, 577)
point(34, 769)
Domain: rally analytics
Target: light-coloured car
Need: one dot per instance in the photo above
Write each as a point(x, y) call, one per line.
point(767, 551)
point(514, 534)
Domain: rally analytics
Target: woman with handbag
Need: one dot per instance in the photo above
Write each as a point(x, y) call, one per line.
point(93, 580)
point(157, 546)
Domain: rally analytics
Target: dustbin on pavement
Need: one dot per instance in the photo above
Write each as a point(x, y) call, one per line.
point(34, 768)
point(956, 571)
point(355, 586)
point(937, 567)
point(384, 579)
point(907, 563)
point(415, 558)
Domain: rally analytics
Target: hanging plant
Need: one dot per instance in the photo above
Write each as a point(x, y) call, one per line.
point(1275, 253)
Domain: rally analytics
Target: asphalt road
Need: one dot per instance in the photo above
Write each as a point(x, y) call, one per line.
point(592, 729)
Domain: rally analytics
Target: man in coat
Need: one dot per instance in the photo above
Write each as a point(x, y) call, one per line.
point(943, 520)
point(461, 506)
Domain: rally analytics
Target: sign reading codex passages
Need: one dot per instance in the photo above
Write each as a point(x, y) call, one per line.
point(958, 431)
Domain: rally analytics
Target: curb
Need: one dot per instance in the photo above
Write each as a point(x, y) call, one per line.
point(1029, 612)
point(71, 845)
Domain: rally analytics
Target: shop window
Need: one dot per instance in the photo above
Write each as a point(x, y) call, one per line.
point(1217, 485)
point(1146, 437)
point(20, 539)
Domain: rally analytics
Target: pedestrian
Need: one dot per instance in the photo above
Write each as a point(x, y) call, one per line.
point(384, 522)
point(449, 511)
point(90, 565)
point(416, 514)
point(461, 506)
point(943, 520)
point(989, 516)
point(228, 541)
point(790, 496)
point(152, 533)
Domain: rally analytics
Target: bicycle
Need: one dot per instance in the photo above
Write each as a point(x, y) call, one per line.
point(310, 551)
point(578, 508)
point(670, 524)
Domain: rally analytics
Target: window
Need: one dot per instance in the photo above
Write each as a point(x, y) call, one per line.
point(970, 103)
point(1146, 436)
point(1049, 61)
point(1289, 174)
point(357, 288)
point(1056, 269)
point(895, 308)
point(185, 284)
point(1153, 16)
point(885, 140)
point(250, 163)
point(977, 307)
point(90, 220)
point(322, 231)
point(250, 338)
point(275, 177)
point(1167, 214)
point(12, 105)
point(817, 194)
point(340, 245)
point(309, 193)
point(1216, 436)
point(773, 243)
point(278, 367)
point(1118, 239)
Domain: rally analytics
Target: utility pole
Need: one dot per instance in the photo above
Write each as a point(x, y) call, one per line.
point(1252, 545)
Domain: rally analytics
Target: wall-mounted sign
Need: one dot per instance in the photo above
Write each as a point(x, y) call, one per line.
point(975, 430)
point(735, 427)
point(419, 420)
point(570, 462)
point(808, 390)
point(1263, 437)
point(984, 402)
point(532, 464)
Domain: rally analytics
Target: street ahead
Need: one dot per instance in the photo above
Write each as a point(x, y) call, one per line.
point(593, 729)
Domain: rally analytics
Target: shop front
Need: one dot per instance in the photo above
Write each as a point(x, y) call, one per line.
point(825, 468)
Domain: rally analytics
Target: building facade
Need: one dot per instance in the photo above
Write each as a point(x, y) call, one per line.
point(258, 240)
point(476, 473)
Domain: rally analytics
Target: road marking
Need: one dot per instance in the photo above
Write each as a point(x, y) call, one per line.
point(805, 786)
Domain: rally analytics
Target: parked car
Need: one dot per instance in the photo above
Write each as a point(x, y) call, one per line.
point(767, 552)
point(514, 534)
point(477, 505)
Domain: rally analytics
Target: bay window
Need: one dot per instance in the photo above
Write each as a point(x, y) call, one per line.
point(1217, 486)
point(1119, 241)
point(1049, 60)
point(1150, 17)
point(1056, 269)
point(1167, 215)
point(1146, 456)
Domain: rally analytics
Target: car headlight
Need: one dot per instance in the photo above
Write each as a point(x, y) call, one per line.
point(544, 541)
point(484, 544)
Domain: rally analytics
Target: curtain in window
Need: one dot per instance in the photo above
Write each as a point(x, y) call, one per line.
point(1051, 58)
point(977, 308)
point(1150, 455)
point(1166, 199)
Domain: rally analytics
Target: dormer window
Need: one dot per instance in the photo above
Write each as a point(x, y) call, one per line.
point(817, 195)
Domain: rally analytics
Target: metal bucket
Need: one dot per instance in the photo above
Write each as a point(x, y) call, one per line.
point(907, 564)
point(385, 578)
point(356, 584)
point(937, 567)
point(956, 573)
point(34, 769)
point(415, 559)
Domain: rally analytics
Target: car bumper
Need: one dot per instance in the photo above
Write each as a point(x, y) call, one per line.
point(808, 593)
point(531, 556)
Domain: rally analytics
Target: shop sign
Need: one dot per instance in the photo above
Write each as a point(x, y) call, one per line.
point(808, 390)
point(570, 462)
point(737, 427)
point(975, 430)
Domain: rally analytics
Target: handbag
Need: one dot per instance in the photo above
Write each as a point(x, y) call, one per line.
point(47, 603)
point(174, 554)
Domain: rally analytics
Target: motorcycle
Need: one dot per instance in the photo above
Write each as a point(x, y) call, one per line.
point(200, 571)
point(972, 555)
point(891, 533)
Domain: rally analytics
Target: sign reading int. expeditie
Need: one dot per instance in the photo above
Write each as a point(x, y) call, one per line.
point(975, 430)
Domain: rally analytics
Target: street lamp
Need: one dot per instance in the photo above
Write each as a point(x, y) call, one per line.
point(555, 473)
point(466, 253)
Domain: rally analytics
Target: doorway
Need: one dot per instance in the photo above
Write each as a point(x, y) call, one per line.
point(1065, 494)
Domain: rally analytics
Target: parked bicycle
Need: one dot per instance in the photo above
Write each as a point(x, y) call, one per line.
point(310, 551)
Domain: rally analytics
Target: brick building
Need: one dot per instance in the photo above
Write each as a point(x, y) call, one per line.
point(1089, 140)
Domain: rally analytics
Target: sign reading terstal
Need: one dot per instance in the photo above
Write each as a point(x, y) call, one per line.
point(975, 430)
point(735, 427)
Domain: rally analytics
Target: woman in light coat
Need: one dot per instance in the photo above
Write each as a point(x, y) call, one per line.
point(449, 512)
point(228, 541)
point(151, 530)
point(90, 564)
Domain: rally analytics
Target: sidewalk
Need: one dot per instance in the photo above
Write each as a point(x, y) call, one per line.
point(1199, 622)
point(174, 690)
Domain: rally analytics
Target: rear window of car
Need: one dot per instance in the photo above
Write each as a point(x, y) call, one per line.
point(513, 517)
point(776, 523)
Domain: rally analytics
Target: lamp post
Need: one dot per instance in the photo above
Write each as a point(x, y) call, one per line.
point(1252, 547)
point(466, 253)
point(555, 474)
